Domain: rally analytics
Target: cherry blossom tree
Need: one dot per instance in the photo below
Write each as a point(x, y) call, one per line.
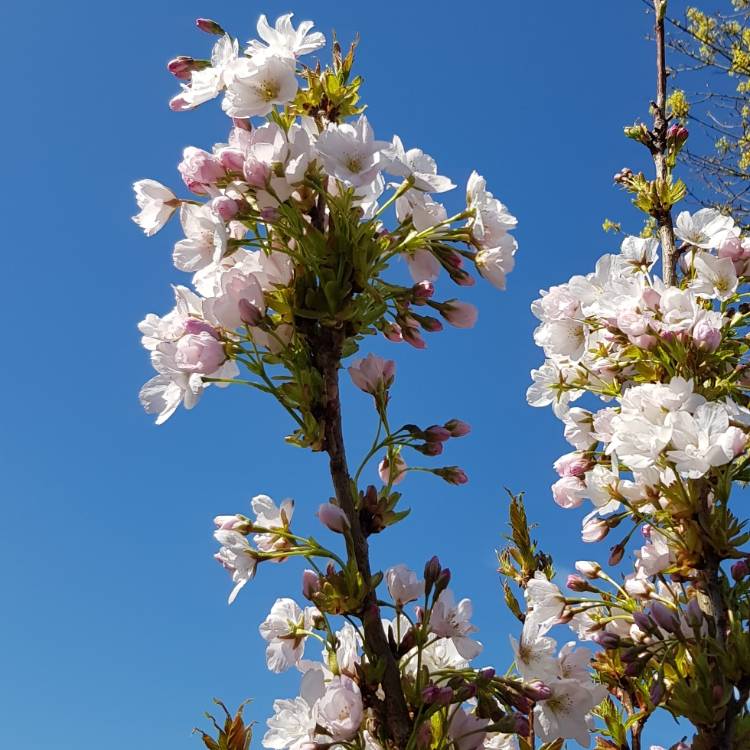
point(291, 228)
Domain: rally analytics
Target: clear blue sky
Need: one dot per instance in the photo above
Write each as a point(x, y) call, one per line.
point(114, 628)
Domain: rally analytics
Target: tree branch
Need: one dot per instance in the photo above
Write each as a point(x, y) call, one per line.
point(663, 217)
point(328, 360)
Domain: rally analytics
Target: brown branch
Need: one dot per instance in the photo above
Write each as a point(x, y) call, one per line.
point(328, 361)
point(659, 148)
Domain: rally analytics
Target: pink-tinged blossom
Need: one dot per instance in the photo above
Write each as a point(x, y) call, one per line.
point(572, 464)
point(199, 352)
point(467, 730)
point(495, 263)
point(715, 278)
point(200, 170)
point(235, 286)
point(423, 265)
point(451, 619)
point(237, 557)
point(350, 153)
point(156, 202)
point(706, 228)
point(225, 208)
point(545, 602)
point(373, 374)
point(283, 39)
point(392, 474)
point(340, 710)
point(492, 220)
point(459, 314)
point(534, 654)
point(255, 86)
point(333, 517)
point(285, 630)
point(293, 725)
point(403, 584)
point(205, 238)
point(275, 518)
point(566, 713)
point(569, 491)
point(417, 165)
point(207, 83)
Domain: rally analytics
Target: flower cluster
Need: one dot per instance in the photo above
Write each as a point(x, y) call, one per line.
point(338, 698)
point(286, 224)
point(669, 362)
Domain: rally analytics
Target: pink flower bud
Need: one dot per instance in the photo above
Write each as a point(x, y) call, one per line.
point(249, 313)
point(731, 248)
point(228, 523)
point(310, 583)
point(606, 640)
point(594, 530)
point(431, 325)
point(241, 123)
point(462, 278)
point(573, 464)
point(430, 449)
point(224, 207)
point(588, 569)
point(436, 695)
point(706, 336)
point(333, 517)
point(209, 26)
point(740, 570)
point(452, 474)
point(181, 67)
point(568, 492)
point(199, 169)
point(199, 352)
point(257, 173)
point(537, 691)
point(231, 159)
point(423, 290)
point(457, 428)
point(373, 374)
point(460, 314)
point(393, 475)
point(393, 333)
point(577, 583)
point(521, 725)
point(437, 434)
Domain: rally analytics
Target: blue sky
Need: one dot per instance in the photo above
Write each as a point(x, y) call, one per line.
point(114, 627)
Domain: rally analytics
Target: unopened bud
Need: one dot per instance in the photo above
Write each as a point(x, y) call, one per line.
point(664, 617)
point(333, 517)
point(249, 313)
point(181, 67)
point(537, 691)
point(740, 570)
point(606, 640)
point(310, 583)
point(457, 428)
point(430, 449)
point(452, 474)
point(209, 26)
point(616, 553)
point(434, 694)
point(437, 434)
point(589, 569)
point(521, 725)
point(431, 572)
point(578, 583)
point(423, 290)
point(442, 581)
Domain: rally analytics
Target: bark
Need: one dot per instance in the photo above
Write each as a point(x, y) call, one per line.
point(328, 359)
